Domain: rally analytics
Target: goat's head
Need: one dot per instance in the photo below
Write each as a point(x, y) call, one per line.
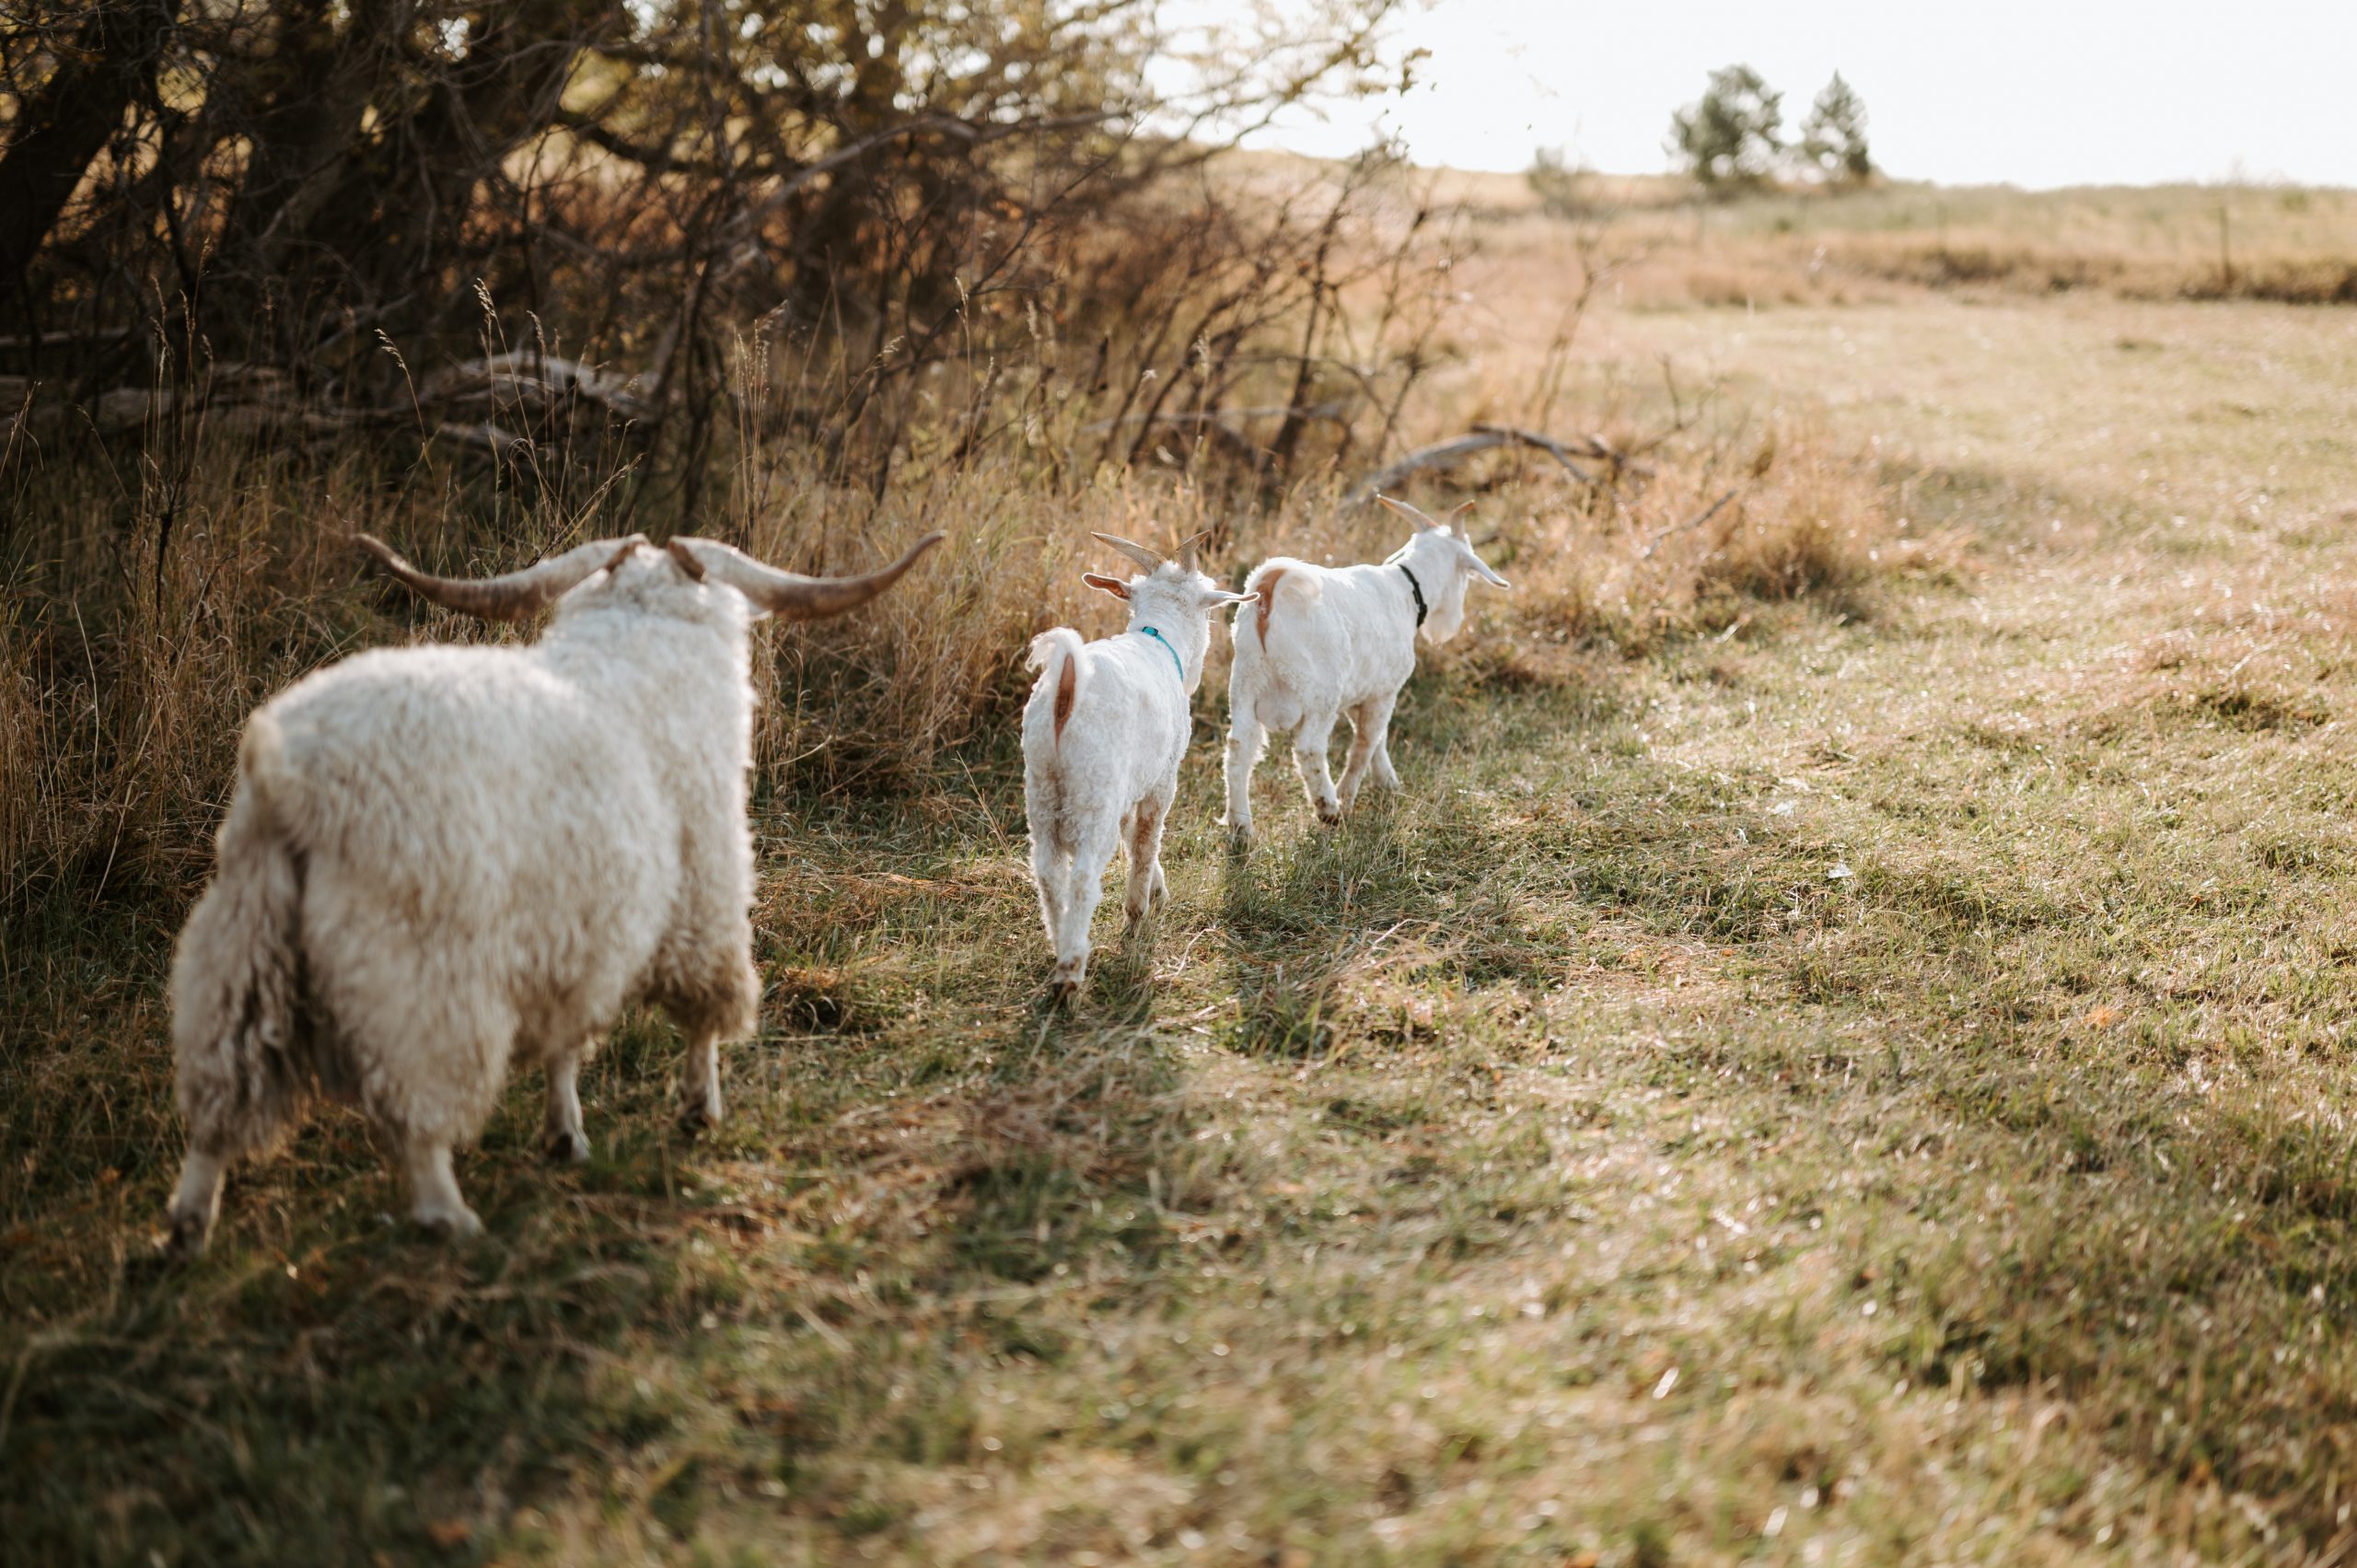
point(1173, 591)
point(1442, 551)
point(679, 579)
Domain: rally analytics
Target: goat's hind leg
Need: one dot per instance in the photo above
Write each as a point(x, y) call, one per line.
point(717, 1001)
point(1049, 872)
point(1245, 738)
point(699, 1079)
point(1083, 890)
point(197, 1203)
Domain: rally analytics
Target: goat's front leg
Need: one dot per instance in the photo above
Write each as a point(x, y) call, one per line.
point(563, 1139)
point(433, 1199)
point(699, 1080)
point(1144, 845)
point(1376, 732)
point(1362, 753)
point(1309, 745)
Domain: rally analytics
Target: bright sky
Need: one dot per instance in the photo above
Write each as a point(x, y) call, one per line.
point(2028, 92)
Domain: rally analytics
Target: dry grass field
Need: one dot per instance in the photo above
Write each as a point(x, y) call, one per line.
point(1838, 1054)
point(2288, 244)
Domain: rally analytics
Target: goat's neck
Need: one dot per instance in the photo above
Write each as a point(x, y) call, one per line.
point(1429, 555)
point(658, 659)
point(1186, 634)
point(1440, 577)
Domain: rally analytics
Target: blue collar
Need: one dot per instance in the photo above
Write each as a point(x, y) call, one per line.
point(1176, 662)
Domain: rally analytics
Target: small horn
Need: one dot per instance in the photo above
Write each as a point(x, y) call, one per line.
point(1145, 558)
point(1187, 549)
point(1420, 518)
point(512, 596)
point(790, 593)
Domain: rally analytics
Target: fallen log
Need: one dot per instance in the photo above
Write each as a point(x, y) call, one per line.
point(1333, 411)
point(1591, 447)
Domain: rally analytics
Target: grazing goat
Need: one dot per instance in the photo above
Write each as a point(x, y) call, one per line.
point(1103, 736)
point(441, 859)
point(1328, 641)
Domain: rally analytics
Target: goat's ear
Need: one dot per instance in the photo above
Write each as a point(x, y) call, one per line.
point(1217, 598)
point(1106, 585)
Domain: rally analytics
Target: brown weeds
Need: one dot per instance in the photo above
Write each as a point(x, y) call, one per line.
point(141, 631)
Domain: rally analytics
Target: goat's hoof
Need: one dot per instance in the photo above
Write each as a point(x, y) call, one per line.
point(1329, 815)
point(184, 1240)
point(564, 1146)
point(1062, 991)
point(697, 1117)
point(460, 1225)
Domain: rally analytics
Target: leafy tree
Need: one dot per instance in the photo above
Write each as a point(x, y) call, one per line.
point(321, 171)
point(1833, 138)
point(1731, 138)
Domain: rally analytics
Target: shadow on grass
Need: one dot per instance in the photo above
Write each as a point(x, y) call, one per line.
point(670, 1322)
point(1304, 914)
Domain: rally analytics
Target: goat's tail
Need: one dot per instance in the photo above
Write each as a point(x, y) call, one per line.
point(1286, 594)
point(1055, 653)
point(244, 1066)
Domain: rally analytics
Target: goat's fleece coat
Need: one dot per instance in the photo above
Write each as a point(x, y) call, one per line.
point(440, 860)
point(1326, 642)
point(1104, 732)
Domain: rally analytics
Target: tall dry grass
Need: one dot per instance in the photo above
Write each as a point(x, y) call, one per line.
point(143, 623)
point(164, 580)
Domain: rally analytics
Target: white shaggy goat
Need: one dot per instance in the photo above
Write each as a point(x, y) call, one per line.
point(1103, 735)
point(1328, 641)
point(440, 860)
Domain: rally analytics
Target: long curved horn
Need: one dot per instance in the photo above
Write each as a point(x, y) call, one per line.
point(1418, 517)
point(1187, 550)
point(511, 595)
point(790, 593)
point(1145, 558)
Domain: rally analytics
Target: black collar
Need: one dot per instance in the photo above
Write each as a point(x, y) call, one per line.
point(1414, 587)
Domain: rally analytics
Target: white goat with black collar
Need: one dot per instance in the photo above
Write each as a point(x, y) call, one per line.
point(1103, 735)
point(1328, 641)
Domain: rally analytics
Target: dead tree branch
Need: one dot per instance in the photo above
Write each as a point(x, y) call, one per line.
point(1448, 454)
point(1689, 526)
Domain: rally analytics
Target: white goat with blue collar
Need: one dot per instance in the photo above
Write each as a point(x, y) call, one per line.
point(1103, 735)
point(1333, 639)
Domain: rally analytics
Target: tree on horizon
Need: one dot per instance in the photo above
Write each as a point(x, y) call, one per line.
point(1731, 139)
point(1833, 138)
